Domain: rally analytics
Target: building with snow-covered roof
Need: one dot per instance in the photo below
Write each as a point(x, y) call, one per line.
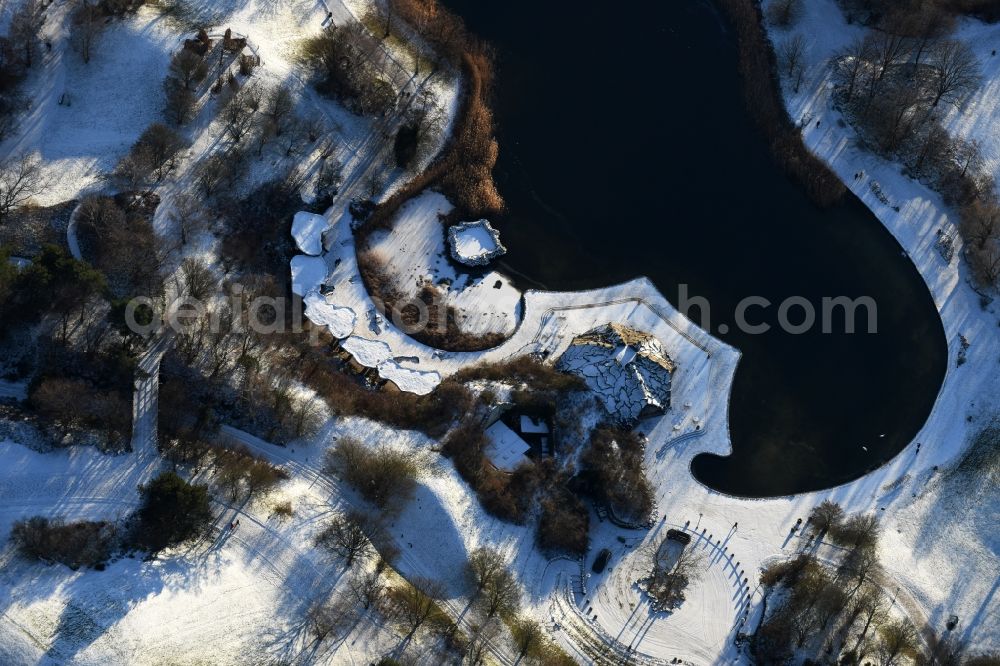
point(506, 450)
point(627, 369)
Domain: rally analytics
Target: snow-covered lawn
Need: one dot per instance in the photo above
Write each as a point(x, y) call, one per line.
point(84, 117)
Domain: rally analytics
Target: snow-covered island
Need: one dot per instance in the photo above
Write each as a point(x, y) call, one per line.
point(227, 437)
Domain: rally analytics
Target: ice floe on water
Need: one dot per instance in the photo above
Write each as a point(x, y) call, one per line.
point(339, 320)
point(307, 229)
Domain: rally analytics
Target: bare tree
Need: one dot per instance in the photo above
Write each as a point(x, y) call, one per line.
point(986, 264)
point(313, 126)
point(213, 171)
point(956, 72)
point(480, 640)
point(134, 168)
point(179, 104)
point(853, 62)
point(484, 564)
point(859, 566)
point(88, 24)
point(502, 594)
point(899, 638)
point(415, 602)
point(830, 602)
point(187, 215)
point(791, 56)
point(20, 180)
point(369, 588)
point(528, 636)
point(825, 516)
point(887, 51)
point(101, 215)
point(240, 111)
point(329, 180)
point(981, 222)
point(669, 581)
point(200, 282)
point(970, 155)
point(874, 609)
point(897, 114)
point(25, 29)
point(928, 25)
point(346, 537)
point(278, 106)
point(188, 67)
point(329, 618)
point(935, 143)
point(857, 532)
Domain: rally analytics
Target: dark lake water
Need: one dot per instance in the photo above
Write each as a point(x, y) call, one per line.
point(625, 150)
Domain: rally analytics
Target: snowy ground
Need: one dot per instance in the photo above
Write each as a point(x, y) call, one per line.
point(110, 101)
point(416, 253)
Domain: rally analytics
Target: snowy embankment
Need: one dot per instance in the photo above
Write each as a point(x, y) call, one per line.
point(948, 575)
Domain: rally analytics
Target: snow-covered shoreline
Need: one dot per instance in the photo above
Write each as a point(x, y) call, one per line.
point(970, 393)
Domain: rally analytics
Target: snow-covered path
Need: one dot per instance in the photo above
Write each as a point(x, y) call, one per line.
point(144, 397)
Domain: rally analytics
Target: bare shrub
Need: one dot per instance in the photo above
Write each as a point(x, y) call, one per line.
point(612, 472)
point(766, 106)
point(383, 476)
point(564, 522)
point(506, 496)
point(431, 414)
point(80, 544)
point(283, 509)
point(525, 370)
point(243, 474)
point(348, 61)
point(442, 29)
point(106, 411)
